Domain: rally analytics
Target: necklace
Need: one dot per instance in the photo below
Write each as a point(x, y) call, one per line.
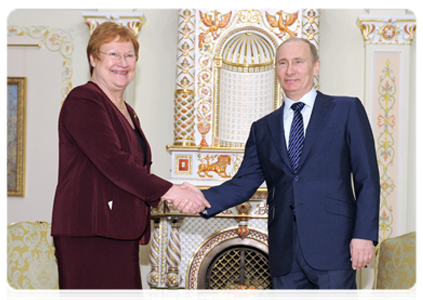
point(125, 114)
point(120, 107)
point(109, 96)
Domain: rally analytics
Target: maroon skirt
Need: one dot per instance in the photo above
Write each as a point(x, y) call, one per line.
point(97, 263)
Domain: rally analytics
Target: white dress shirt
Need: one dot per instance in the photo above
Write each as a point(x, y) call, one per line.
point(288, 113)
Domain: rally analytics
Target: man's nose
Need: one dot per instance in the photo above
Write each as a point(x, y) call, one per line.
point(290, 69)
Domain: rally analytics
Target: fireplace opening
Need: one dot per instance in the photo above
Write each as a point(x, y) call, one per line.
point(239, 267)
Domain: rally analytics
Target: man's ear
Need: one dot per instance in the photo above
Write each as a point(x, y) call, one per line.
point(316, 67)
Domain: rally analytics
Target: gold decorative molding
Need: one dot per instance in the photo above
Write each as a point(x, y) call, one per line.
point(387, 29)
point(16, 135)
point(25, 45)
point(53, 39)
point(133, 20)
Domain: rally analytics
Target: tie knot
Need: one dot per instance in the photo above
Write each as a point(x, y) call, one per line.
point(297, 106)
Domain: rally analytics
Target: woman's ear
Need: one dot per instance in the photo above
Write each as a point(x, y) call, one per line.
point(93, 61)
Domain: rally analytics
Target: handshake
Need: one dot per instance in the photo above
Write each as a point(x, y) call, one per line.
point(186, 198)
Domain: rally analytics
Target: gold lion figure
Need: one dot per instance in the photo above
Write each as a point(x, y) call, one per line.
point(219, 167)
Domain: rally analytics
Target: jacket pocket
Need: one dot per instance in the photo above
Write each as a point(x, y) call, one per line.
point(340, 207)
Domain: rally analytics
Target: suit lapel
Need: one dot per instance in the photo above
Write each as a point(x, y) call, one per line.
point(277, 132)
point(137, 124)
point(322, 108)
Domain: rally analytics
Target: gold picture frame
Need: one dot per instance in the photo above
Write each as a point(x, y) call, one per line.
point(16, 119)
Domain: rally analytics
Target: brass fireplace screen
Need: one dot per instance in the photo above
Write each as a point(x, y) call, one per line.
point(239, 268)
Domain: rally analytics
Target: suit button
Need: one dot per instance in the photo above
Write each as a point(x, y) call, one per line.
point(296, 178)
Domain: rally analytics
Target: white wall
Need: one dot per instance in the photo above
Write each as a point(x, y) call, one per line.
point(412, 146)
point(342, 72)
point(43, 69)
point(341, 53)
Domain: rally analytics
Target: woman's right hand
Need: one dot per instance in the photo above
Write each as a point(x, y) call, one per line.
point(186, 198)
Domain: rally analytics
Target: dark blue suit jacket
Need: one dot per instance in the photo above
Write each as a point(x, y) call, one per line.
point(335, 191)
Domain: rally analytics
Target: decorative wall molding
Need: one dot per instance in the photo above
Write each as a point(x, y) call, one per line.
point(54, 40)
point(133, 20)
point(387, 29)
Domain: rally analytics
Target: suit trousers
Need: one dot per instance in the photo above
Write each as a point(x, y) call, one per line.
point(302, 276)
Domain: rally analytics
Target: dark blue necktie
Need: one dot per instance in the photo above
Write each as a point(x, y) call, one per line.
point(296, 136)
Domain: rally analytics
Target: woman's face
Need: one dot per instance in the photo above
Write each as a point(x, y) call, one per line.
point(115, 67)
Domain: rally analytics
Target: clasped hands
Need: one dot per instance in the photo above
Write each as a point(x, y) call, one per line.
point(186, 198)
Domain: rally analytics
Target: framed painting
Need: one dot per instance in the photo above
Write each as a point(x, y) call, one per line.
point(16, 114)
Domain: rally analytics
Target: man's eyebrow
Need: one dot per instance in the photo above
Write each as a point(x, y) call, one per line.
point(295, 58)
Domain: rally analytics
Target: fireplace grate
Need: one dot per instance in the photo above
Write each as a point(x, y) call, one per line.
point(239, 268)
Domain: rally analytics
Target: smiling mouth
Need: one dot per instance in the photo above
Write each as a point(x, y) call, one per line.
point(120, 72)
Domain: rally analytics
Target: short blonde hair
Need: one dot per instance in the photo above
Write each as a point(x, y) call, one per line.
point(107, 33)
point(313, 50)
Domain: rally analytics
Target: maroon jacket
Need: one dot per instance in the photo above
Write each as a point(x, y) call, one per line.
point(104, 189)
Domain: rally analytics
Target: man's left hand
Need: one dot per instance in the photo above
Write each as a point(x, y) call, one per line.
point(361, 253)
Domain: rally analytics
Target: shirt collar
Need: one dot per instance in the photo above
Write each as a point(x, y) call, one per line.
point(308, 99)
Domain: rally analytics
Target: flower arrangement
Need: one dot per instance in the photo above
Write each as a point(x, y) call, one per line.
point(241, 293)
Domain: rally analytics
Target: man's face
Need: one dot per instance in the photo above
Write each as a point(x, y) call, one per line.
point(295, 69)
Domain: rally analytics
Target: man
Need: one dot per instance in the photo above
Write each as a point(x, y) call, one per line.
point(323, 188)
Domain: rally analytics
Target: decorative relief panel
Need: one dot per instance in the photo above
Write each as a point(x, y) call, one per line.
point(386, 117)
point(183, 164)
point(388, 30)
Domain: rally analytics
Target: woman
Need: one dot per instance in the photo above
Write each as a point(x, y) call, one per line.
point(101, 210)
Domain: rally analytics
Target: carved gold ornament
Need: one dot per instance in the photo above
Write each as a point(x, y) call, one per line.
point(219, 167)
point(281, 23)
point(214, 25)
point(387, 30)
